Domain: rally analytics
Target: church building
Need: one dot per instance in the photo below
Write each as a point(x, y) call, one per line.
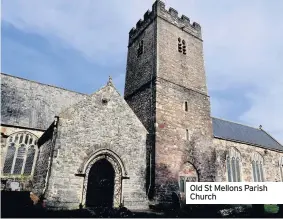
point(102, 149)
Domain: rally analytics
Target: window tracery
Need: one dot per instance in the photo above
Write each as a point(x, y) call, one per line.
point(21, 154)
point(233, 164)
point(257, 167)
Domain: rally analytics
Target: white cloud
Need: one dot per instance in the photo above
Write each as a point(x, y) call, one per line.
point(242, 42)
point(267, 109)
point(220, 107)
point(97, 30)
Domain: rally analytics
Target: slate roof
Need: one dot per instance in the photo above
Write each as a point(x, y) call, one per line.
point(32, 104)
point(244, 134)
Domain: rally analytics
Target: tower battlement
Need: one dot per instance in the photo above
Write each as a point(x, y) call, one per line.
point(170, 15)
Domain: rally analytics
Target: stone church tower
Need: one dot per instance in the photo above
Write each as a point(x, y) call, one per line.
point(166, 88)
point(105, 150)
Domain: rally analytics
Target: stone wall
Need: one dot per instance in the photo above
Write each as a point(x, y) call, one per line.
point(142, 103)
point(175, 129)
point(140, 68)
point(103, 123)
point(140, 82)
point(271, 161)
point(40, 177)
point(31, 104)
point(183, 69)
point(158, 83)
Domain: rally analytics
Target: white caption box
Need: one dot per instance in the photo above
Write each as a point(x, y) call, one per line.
point(234, 193)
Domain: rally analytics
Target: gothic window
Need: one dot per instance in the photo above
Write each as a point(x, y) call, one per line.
point(233, 163)
point(182, 46)
point(140, 48)
point(281, 168)
point(21, 154)
point(257, 167)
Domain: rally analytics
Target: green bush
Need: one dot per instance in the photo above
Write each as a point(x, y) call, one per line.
point(271, 209)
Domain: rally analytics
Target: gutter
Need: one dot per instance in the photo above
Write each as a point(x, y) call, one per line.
point(242, 142)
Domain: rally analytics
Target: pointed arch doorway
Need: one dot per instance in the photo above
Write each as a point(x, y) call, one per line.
point(100, 170)
point(100, 186)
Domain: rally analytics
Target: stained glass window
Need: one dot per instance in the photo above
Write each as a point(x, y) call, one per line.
point(21, 138)
point(257, 166)
point(19, 160)
point(254, 171)
point(234, 174)
point(26, 139)
point(29, 160)
point(9, 159)
point(21, 154)
point(257, 171)
point(16, 138)
point(233, 164)
point(229, 169)
point(238, 169)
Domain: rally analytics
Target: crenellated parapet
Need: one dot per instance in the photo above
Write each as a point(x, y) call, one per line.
point(148, 17)
point(170, 15)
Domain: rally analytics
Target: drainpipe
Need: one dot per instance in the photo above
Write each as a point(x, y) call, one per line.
point(51, 155)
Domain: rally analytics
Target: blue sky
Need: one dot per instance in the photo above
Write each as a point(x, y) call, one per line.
point(78, 44)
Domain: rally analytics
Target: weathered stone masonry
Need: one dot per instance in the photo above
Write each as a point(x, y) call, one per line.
point(168, 79)
point(271, 160)
point(118, 134)
point(156, 138)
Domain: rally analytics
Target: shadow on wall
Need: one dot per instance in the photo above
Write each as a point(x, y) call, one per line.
point(10, 107)
point(21, 109)
point(166, 189)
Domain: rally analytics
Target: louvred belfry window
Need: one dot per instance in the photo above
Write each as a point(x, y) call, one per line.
point(21, 154)
point(182, 48)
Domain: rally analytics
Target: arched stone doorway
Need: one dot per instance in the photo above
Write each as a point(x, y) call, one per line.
point(100, 187)
point(188, 173)
point(92, 167)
